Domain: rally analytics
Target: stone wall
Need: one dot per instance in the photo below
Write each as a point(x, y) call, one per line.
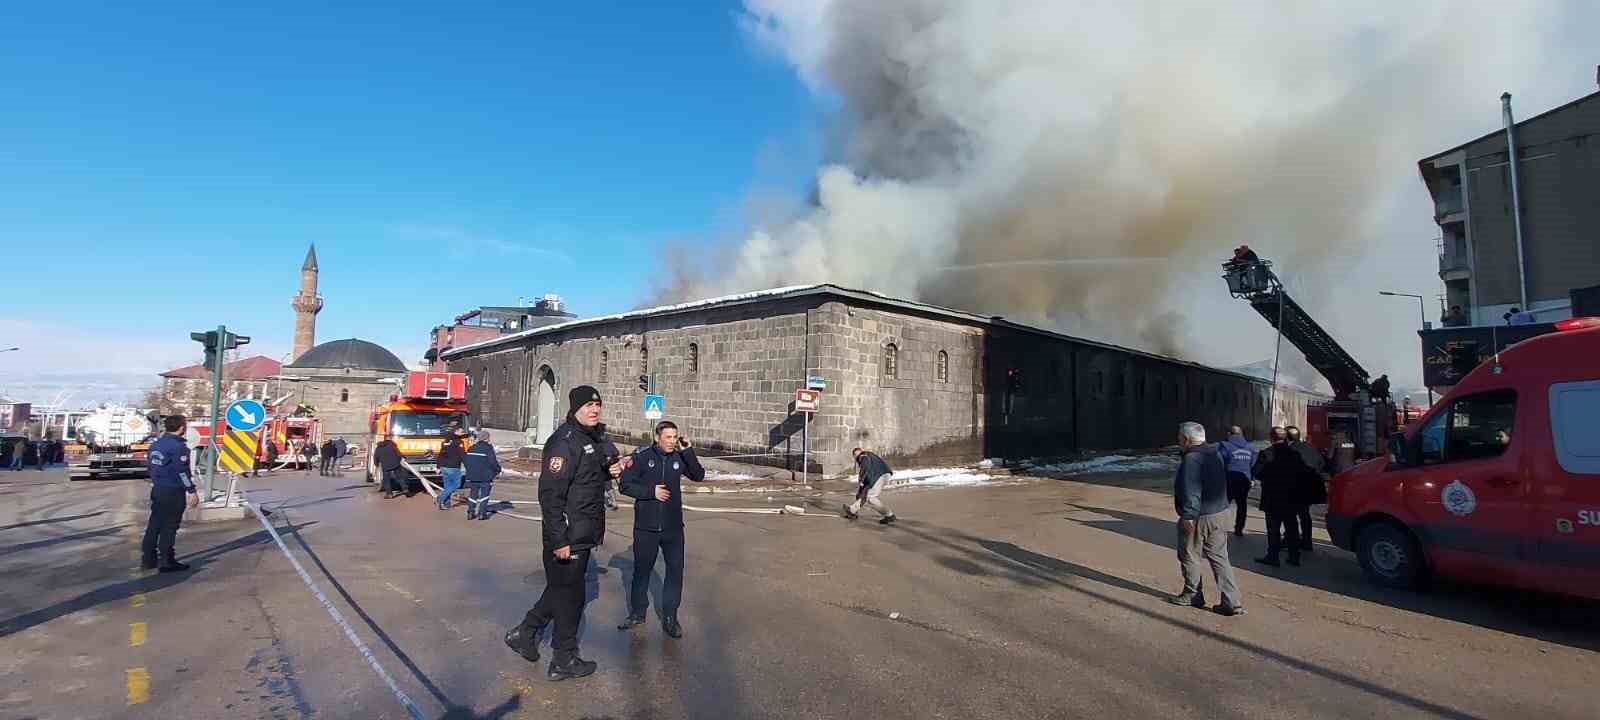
point(728, 376)
point(344, 400)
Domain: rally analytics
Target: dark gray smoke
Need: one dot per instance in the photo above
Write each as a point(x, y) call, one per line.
point(1086, 166)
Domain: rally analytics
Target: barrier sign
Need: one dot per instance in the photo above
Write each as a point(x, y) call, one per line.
point(805, 400)
point(237, 452)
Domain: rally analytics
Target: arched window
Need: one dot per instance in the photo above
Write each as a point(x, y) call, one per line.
point(344, 395)
point(942, 369)
point(694, 358)
point(605, 362)
point(891, 361)
point(644, 360)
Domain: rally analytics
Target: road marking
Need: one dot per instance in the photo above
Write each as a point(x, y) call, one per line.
point(137, 632)
point(138, 686)
point(137, 600)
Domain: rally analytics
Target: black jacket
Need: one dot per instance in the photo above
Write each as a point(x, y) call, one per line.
point(451, 454)
point(1201, 486)
point(650, 468)
point(572, 485)
point(1309, 489)
point(872, 467)
point(387, 455)
point(1280, 469)
point(482, 464)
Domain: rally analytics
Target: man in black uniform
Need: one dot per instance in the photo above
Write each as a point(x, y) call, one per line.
point(171, 491)
point(386, 455)
point(579, 463)
point(655, 482)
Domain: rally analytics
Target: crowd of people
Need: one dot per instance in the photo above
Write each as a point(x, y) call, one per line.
point(41, 454)
point(1211, 492)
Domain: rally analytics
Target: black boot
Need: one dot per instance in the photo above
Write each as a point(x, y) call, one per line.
point(631, 622)
point(1271, 559)
point(670, 626)
point(570, 667)
point(149, 562)
point(172, 565)
point(525, 641)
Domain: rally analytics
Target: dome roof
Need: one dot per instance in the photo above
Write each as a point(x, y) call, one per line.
point(351, 353)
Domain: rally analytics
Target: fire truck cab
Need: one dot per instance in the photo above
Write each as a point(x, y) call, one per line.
point(1498, 483)
point(417, 418)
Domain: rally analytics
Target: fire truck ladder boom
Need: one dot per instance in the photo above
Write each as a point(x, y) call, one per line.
point(1254, 281)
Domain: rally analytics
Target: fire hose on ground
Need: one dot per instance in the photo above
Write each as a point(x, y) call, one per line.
point(434, 490)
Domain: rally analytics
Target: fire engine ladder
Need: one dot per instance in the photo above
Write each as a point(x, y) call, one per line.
point(1255, 281)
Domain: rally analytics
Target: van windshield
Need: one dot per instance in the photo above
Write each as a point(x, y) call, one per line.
point(423, 423)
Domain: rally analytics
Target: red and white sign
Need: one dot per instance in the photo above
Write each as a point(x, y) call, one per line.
point(805, 400)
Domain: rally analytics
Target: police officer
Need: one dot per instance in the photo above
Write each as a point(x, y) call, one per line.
point(171, 491)
point(579, 462)
point(655, 481)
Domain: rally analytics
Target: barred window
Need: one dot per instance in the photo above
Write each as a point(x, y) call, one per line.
point(891, 361)
point(344, 395)
point(942, 369)
point(605, 362)
point(694, 358)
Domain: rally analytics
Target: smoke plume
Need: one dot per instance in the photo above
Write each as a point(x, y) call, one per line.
point(1087, 165)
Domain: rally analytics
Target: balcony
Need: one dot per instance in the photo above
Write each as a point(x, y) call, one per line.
point(1453, 261)
point(1447, 203)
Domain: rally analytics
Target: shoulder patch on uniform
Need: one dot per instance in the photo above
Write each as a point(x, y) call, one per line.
point(588, 449)
point(556, 463)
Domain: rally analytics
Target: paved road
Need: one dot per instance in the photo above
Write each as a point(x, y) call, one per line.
point(1041, 600)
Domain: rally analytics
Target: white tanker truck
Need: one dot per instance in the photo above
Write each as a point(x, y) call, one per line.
point(117, 438)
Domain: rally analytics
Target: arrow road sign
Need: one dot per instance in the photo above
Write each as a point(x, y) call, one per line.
point(655, 406)
point(246, 414)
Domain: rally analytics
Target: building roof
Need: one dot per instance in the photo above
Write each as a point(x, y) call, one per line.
point(349, 353)
point(259, 367)
point(796, 291)
point(311, 258)
point(1501, 130)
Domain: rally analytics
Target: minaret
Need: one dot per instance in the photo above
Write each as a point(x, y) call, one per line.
point(306, 305)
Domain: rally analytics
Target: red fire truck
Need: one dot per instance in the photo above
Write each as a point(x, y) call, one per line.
point(417, 418)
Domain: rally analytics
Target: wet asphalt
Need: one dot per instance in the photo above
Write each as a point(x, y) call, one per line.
point(1040, 599)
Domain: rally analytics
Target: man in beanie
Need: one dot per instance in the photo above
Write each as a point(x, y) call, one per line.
point(579, 464)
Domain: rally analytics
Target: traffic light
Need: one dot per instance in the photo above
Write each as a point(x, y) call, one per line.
point(215, 340)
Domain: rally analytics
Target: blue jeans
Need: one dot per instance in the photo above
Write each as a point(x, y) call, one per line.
point(452, 482)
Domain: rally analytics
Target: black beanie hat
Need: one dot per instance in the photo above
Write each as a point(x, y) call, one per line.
point(580, 396)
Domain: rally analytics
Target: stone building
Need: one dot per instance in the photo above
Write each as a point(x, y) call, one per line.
point(916, 382)
point(187, 390)
point(344, 380)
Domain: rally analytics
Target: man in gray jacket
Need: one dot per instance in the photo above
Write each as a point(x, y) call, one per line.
point(1200, 494)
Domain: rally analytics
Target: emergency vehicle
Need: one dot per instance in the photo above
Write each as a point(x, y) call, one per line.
point(417, 417)
point(116, 439)
point(1498, 483)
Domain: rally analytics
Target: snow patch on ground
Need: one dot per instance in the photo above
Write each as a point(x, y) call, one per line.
point(938, 477)
point(728, 477)
point(1107, 464)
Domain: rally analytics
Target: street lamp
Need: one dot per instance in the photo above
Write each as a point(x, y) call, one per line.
point(9, 349)
point(1422, 314)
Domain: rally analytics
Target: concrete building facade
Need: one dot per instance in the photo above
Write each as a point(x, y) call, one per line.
point(491, 321)
point(1558, 181)
point(918, 383)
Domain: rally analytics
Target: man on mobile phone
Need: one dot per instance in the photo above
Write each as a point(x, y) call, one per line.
point(572, 501)
point(655, 482)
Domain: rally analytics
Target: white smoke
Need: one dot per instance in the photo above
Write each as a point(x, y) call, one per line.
point(1087, 165)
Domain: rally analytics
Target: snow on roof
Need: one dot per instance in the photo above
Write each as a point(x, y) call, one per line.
point(643, 312)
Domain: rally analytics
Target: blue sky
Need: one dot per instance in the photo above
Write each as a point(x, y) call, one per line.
point(166, 168)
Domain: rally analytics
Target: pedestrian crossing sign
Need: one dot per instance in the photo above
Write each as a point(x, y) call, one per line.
point(655, 407)
point(237, 452)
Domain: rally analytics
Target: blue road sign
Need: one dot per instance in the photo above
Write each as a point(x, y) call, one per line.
point(655, 406)
point(816, 382)
point(246, 415)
